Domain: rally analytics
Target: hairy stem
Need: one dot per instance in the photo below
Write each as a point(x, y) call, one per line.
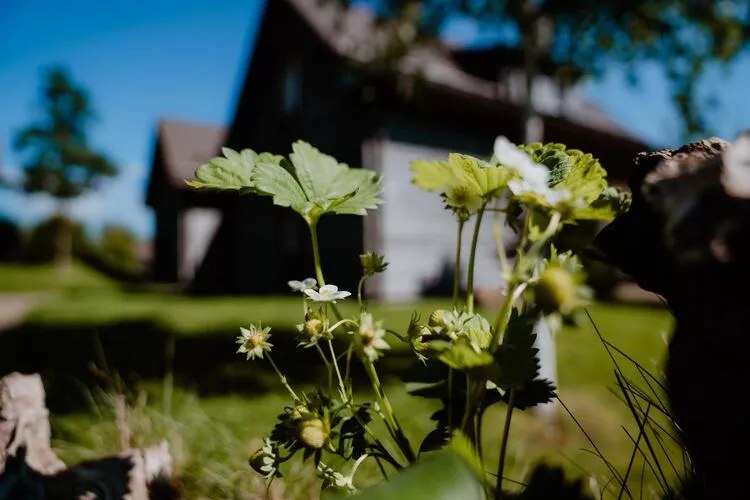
point(328, 366)
point(342, 388)
point(504, 444)
point(316, 252)
point(362, 306)
point(472, 259)
point(390, 417)
point(457, 268)
point(282, 378)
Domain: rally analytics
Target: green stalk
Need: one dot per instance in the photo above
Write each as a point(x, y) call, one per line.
point(504, 445)
point(328, 366)
point(282, 378)
point(472, 258)
point(359, 293)
point(313, 225)
point(457, 269)
point(342, 388)
point(500, 244)
point(390, 420)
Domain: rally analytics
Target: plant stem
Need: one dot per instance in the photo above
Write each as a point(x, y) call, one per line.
point(282, 378)
point(500, 244)
point(342, 388)
point(328, 366)
point(472, 258)
point(457, 268)
point(348, 371)
point(504, 444)
point(361, 283)
point(390, 420)
point(503, 317)
point(313, 225)
point(450, 398)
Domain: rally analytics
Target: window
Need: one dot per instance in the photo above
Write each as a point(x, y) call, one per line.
point(292, 85)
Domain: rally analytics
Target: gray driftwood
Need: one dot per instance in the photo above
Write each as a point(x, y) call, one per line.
point(29, 469)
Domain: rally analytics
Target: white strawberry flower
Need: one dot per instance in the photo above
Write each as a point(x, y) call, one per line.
point(327, 293)
point(301, 286)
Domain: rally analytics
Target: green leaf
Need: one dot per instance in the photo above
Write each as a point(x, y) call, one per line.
point(443, 475)
point(274, 180)
point(570, 169)
point(517, 357)
point(432, 175)
point(461, 356)
point(316, 172)
point(233, 171)
point(532, 393)
point(366, 195)
point(435, 440)
point(554, 157)
point(352, 440)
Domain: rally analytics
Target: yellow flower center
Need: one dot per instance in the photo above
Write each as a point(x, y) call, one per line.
point(255, 339)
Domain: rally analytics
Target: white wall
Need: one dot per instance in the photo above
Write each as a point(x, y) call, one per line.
point(197, 229)
point(413, 230)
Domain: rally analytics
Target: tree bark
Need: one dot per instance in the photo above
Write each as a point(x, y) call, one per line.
point(687, 238)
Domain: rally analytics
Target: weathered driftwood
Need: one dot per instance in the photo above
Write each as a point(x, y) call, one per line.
point(29, 469)
point(687, 238)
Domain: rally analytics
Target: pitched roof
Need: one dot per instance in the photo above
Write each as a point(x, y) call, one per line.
point(353, 33)
point(186, 145)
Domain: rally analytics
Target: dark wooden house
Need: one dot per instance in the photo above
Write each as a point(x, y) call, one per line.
point(309, 77)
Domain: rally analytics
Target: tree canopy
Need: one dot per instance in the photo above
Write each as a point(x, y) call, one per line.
point(57, 157)
point(582, 36)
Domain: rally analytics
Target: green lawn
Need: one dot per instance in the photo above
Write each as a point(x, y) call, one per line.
point(22, 278)
point(211, 437)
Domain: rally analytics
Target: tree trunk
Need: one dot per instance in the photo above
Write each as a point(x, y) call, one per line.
point(63, 244)
point(687, 238)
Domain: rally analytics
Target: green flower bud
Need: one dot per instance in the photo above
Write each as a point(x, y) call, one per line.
point(555, 290)
point(314, 433)
point(372, 263)
point(437, 318)
point(314, 327)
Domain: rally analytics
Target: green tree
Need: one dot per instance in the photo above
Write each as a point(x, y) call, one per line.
point(582, 36)
point(56, 156)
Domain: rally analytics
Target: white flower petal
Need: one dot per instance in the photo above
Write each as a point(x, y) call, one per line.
point(380, 344)
point(312, 294)
point(509, 155)
point(328, 289)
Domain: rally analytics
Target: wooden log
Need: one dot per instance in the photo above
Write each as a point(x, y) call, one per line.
point(29, 469)
point(687, 238)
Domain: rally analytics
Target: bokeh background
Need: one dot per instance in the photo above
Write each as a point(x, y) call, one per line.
point(125, 283)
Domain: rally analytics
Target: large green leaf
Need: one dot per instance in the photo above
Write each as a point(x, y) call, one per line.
point(316, 172)
point(233, 171)
point(276, 181)
point(432, 175)
point(475, 176)
point(442, 475)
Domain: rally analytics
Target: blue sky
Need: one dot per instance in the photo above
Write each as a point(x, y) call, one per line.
point(145, 59)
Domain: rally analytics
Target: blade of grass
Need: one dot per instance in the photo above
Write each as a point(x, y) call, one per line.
point(641, 431)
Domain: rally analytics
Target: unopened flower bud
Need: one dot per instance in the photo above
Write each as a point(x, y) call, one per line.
point(314, 433)
point(555, 290)
point(437, 318)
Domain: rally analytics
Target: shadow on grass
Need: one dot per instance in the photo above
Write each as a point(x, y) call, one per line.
point(136, 351)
